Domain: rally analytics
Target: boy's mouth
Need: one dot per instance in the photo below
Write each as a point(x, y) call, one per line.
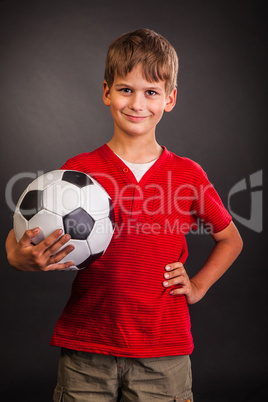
point(135, 117)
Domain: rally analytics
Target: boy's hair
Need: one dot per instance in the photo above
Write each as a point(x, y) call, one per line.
point(158, 58)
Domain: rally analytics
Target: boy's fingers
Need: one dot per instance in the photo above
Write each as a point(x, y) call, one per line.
point(56, 258)
point(48, 241)
point(178, 280)
point(56, 245)
point(176, 274)
point(60, 266)
point(28, 236)
point(174, 265)
point(173, 270)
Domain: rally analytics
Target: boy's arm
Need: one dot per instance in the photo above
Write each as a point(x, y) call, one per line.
point(45, 256)
point(228, 245)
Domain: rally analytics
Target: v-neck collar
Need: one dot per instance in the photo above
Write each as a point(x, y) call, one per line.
point(127, 173)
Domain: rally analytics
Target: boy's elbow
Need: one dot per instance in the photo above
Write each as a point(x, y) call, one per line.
point(231, 238)
point(237, 242)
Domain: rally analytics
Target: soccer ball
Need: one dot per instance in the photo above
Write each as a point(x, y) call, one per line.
point(74, 202)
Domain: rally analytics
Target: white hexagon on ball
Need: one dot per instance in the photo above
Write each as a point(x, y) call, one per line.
point(95, 201)
point(80, 253)
point(47, 221)
point(61, 198)
point(43, 181)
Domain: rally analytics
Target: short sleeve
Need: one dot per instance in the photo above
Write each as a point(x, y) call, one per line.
point(207, 207)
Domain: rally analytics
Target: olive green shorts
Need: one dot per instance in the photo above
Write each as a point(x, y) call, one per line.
point(90, 377)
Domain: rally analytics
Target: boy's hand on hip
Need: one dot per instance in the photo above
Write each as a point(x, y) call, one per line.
point(176, 275)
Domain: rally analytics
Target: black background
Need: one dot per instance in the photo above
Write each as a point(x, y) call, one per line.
point(52, 56)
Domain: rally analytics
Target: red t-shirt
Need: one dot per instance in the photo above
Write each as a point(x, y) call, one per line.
point(118, 304)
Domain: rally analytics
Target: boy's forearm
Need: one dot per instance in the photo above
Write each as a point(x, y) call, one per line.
point(227, 248)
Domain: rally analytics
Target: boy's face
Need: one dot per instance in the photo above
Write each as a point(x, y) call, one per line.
point(136, 104)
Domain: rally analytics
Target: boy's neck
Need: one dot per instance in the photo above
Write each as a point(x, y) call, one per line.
point(136, 150)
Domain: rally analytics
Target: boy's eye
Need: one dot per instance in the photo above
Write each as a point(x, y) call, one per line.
point(125, 90)
point(151, 92)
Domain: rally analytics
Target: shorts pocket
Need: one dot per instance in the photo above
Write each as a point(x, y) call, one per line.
point(58, 394)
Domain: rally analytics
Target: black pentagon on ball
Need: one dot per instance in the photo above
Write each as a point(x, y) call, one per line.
point(31, 203)
point(79, 179)
point(78, 224)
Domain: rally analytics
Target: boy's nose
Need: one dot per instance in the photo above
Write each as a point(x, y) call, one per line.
point(137, 102)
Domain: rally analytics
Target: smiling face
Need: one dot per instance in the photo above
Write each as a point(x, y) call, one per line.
point(137, 105)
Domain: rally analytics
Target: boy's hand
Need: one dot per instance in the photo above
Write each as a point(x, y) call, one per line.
point(24, 256)
point(176, 275)
point(228, 245)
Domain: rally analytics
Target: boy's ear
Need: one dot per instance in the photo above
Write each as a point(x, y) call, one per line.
point(106, 94)
point(171, 100)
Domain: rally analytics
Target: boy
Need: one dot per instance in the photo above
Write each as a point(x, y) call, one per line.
point(126, 327)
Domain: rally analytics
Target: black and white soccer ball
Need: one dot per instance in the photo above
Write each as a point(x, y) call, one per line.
point(74, 202)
